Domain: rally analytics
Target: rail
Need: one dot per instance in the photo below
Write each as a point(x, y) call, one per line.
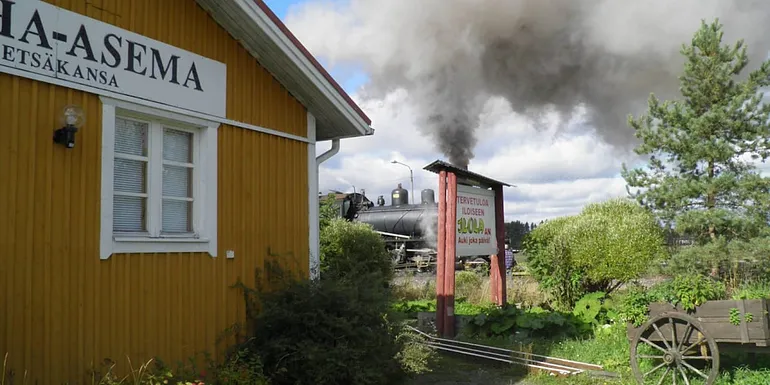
point(392, 235)
point(550, 365)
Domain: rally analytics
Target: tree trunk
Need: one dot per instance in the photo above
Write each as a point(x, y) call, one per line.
point(710, 205)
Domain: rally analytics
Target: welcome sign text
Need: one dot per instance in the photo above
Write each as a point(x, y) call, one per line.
point(39, 38)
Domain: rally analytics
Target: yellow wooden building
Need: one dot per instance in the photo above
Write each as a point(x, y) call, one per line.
point(152, 153)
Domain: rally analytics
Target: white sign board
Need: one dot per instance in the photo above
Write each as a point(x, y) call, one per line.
point(476, 233)
point(44, 42)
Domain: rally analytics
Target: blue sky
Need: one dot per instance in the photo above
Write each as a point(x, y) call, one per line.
point(349, 78)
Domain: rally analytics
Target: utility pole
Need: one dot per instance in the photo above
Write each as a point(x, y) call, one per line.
point(411, 177)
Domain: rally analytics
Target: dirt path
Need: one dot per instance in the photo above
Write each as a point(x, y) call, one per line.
point(461, 371)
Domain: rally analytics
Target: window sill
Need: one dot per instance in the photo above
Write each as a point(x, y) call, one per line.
point(142, 245)
point(161, 240)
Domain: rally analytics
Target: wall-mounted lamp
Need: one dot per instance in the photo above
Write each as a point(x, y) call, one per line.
point(71, 118)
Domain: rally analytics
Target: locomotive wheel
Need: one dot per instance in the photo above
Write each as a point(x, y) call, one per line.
point(674, 358)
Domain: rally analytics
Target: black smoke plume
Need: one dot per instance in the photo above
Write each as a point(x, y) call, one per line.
point(603, 57)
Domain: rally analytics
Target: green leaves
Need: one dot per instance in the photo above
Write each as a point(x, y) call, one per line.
point(689, 291)
point(510, 321)
point(693, 290)
point(607, 243)
point(588, 307)
point(352, 251)
point(634, 306)
point(699, 176)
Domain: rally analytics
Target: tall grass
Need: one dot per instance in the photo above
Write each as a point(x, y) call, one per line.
point(471, 286)
point(143, 375)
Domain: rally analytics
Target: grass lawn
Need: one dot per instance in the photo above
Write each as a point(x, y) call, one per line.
point(608, 348)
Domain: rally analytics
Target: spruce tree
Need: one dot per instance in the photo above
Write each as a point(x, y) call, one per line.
point(701, 177)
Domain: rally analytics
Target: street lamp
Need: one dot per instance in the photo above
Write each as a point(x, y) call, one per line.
point(411, 177)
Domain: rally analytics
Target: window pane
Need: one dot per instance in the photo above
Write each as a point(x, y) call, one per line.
point(128, 214)
point(177, 181)
point(176, 216)
point(130, 176)
point(130, 137)
point(177, 146)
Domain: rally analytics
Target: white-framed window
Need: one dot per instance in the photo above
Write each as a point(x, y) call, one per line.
point(158, 181)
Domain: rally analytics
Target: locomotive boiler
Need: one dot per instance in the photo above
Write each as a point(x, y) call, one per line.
point(409, 230)
point(414, 220)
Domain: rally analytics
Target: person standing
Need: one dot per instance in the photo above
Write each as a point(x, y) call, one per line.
point(509, 262)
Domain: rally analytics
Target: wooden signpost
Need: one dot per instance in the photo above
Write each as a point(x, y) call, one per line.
point(471, 222)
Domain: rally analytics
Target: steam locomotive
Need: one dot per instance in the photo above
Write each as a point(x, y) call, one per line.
point(409, 230)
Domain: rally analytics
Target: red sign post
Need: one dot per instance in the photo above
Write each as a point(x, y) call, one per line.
point(475, 234)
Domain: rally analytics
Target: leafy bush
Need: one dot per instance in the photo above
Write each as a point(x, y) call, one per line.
point(241, 368)
point(735, 262)
point(327, 212)
point(462, 307)
point(415, 357)
point(410, 307)
point(536, 322)
point(352, 251)
point(336, 330)
point(615, 240)
point(634, 306)
point(595, 308)
point(754, 290)
point(606, 245)
point(688, 291)
point(550, 263)
point(325, 332)
point(693, 290)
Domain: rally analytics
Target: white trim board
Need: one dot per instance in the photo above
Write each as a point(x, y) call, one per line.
point(151, 104)
point(304, 64)
point(263, 39)
point(205, 211)
point(314, 257)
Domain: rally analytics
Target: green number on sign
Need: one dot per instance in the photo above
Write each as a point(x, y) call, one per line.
point(470, 226)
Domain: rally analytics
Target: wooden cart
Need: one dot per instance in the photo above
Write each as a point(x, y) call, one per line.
point(675, 346)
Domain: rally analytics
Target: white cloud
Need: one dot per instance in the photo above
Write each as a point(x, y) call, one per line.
point(555, 171)
point(557, 166)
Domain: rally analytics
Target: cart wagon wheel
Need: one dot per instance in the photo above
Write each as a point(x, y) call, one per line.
point(682, 351)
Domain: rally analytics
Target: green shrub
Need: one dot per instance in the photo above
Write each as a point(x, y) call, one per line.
point(336, 330)
point(241, 368)
point(327, 211)
point(462, 307)
point(415, 357)
point(522, 324)
point(595, 308)
point(634, 306)
point(753, 290)
point(693, 290)
point(606, 245)
point(352, 251)
point(688, 291)
point(736, 262)
point(325, 332)
point(615, 240)
point(550, 263)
